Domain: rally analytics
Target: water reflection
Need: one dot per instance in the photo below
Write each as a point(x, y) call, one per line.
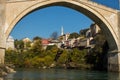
point(113, 76)
point(61, 74)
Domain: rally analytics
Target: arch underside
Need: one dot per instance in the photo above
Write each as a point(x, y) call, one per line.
point(86, 10)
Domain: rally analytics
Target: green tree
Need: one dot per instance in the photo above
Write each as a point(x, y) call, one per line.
point(63, 57)
point(98, 54)
point(37, 46)
point(28, 45)
point(38, 61)
point(73, 35)
point(37, 38)
point(48, 60)
point(27, 63)
point(78, 56)
point(83, 32)
point(19, 45)
point(53, 48)
point(10, 56)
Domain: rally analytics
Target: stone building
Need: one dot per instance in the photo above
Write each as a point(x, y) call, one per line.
point(26, 41)
point(88, 42)
point(94, 28)
point(10, 43)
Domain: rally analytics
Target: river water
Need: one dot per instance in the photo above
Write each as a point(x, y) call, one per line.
point(60, 74)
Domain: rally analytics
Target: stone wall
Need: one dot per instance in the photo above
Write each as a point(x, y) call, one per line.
point(15, 0)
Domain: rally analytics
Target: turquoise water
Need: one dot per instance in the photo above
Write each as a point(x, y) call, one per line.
point(61, 74)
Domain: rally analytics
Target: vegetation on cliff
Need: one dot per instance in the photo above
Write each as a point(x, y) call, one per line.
point(36, 57)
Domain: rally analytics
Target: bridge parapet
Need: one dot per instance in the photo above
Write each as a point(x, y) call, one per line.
point(13, 1)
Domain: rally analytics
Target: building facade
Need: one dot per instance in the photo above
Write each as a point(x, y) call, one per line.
point(10, 43)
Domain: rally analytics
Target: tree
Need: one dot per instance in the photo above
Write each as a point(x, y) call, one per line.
point(37, 38)
point(83, 32)
point(98, 55)
point(19, 45)
point(78, 56)
point(52, 50)
point(48, 60)
point(54, 35)
point(28, 45)
point(10, 56)
point(63, 57)
point(73, 35)
point(37, 46)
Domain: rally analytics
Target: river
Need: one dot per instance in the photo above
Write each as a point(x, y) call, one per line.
point(60, 74)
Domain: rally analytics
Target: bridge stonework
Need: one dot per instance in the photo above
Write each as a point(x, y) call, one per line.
point(108, 19)
point(2, 35)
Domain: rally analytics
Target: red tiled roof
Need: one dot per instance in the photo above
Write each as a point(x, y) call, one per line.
point(45, 41)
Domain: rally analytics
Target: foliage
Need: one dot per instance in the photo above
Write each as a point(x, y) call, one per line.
point(52, 50)
point(37, 47)
point(28, 45)
point(19, 45)
point(37, 38)
point(10, 56)
point(78, 56)
point(73, 35)
point(63, 58)
point(74, 56)
point(83, 32)
point(48, 60)
point(36, 56)
point(98, 55)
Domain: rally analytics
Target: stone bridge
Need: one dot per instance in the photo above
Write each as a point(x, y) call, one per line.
point(12, 11)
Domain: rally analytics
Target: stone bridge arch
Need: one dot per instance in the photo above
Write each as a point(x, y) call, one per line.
point(106, 18)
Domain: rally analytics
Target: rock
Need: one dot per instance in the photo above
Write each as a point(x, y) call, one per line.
point(52, 65)
point(44, 67)
point(10, 70)
point(3, 73)
point(4, 70)
point(1, 79)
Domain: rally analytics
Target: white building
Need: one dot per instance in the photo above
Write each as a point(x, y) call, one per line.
point(90, 34)
point(94, 28)
point(10, 43)
point(26, 40)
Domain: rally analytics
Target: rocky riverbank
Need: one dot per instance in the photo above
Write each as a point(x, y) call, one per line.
point(4, 70)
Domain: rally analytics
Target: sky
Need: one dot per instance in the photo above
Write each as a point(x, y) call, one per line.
point(44, 22)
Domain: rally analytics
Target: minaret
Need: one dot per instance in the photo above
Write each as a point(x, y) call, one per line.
point(62, 32)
